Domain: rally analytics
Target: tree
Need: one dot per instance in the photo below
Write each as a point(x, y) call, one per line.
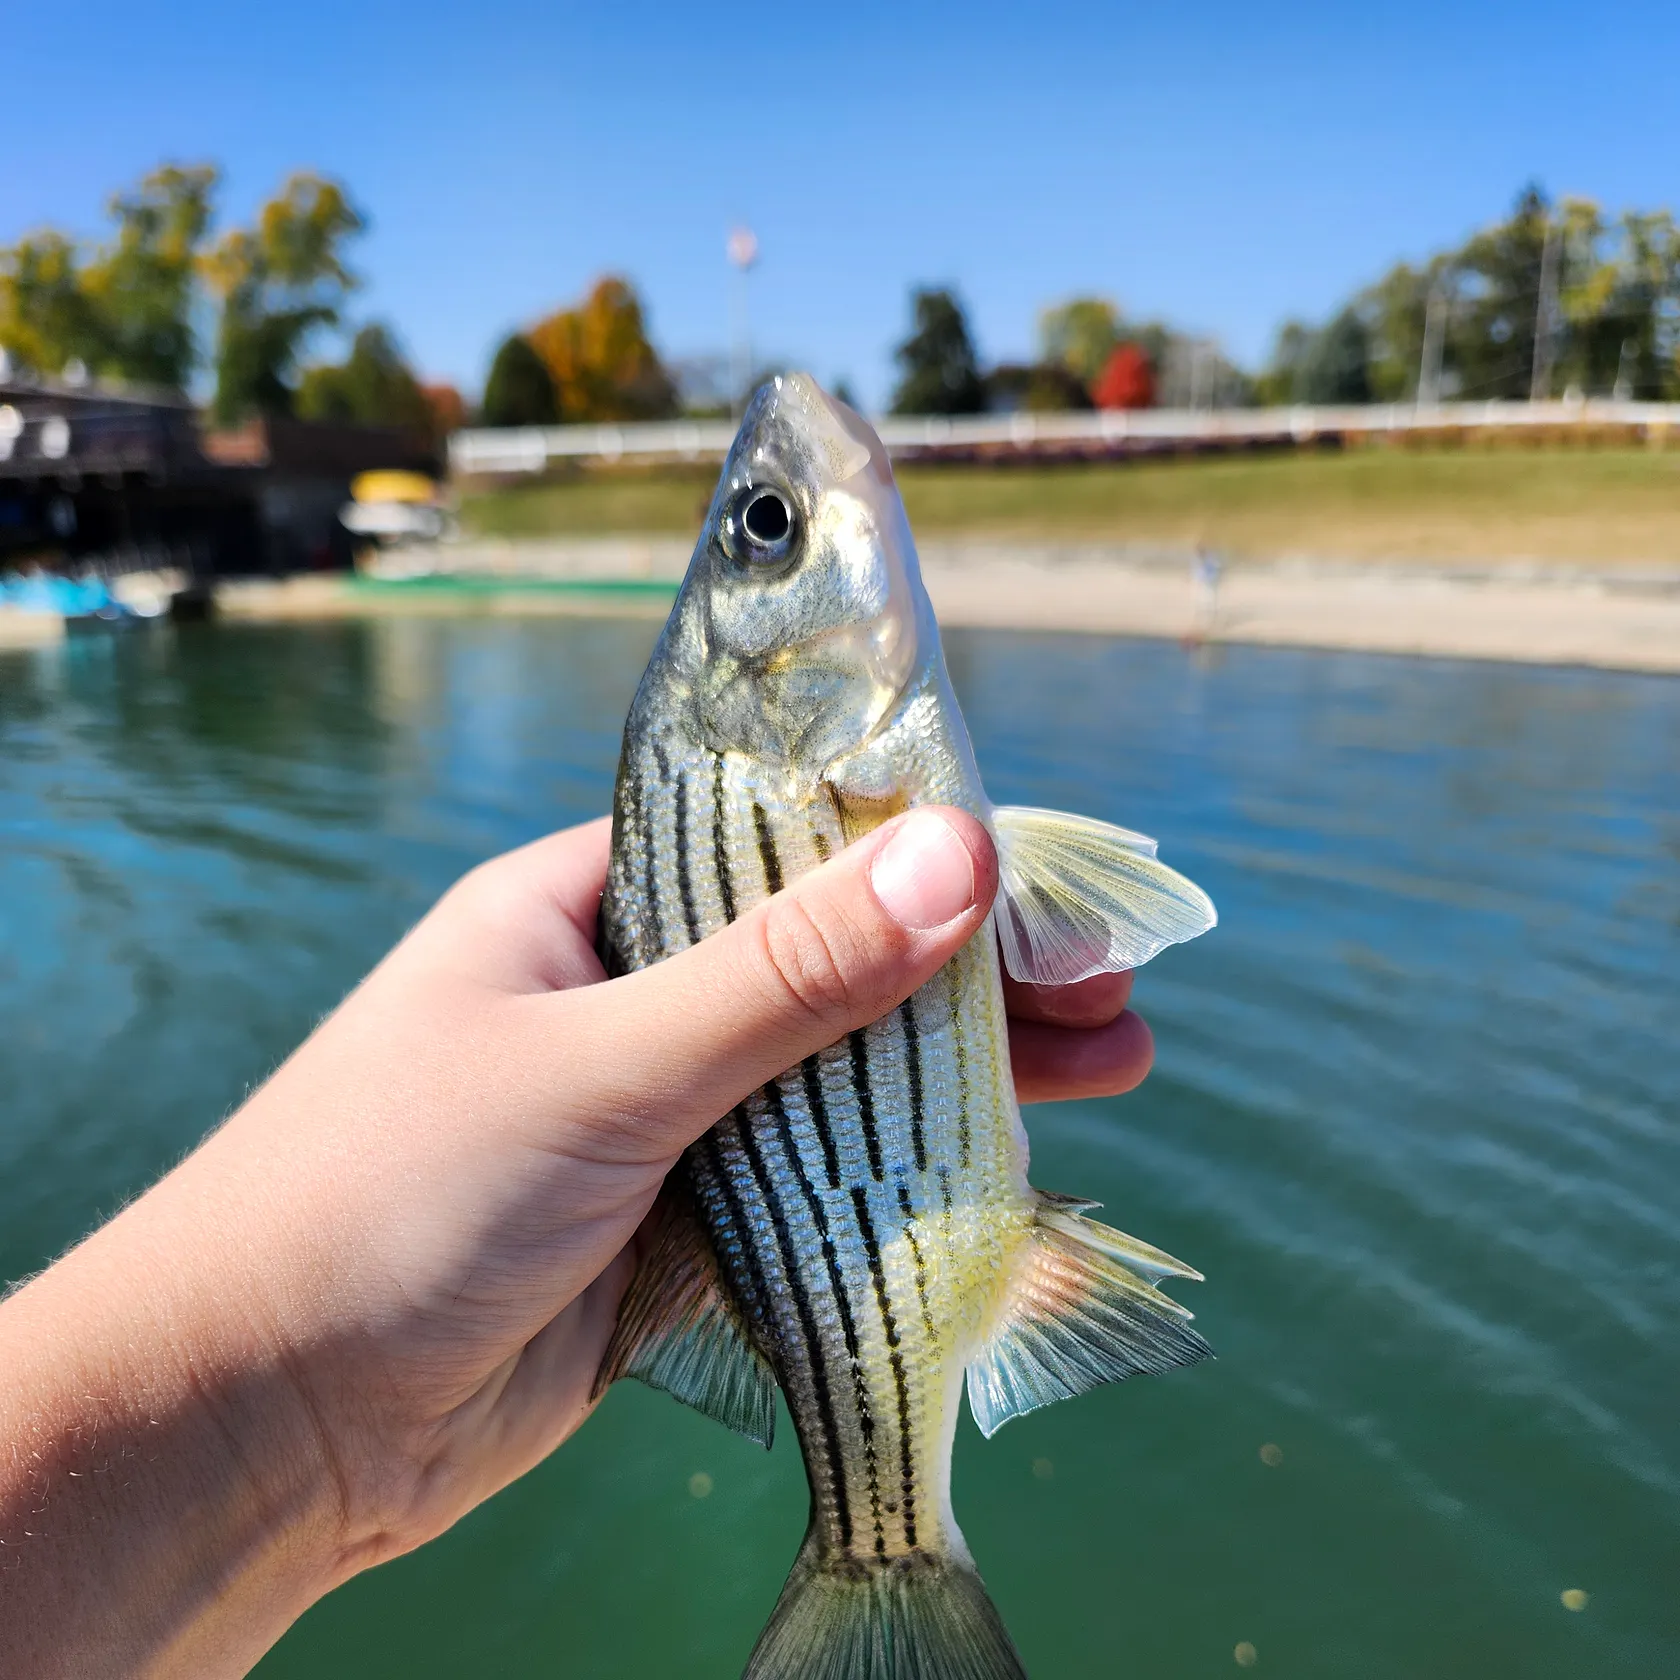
point(1127, 380)
point(46, 317)
point(1034, 388)
point(1080, 335)
point(519, 390)
point(1620, 302)
point(142, 287)
point(125, 311)
point(940, 371)
point(1328, 364)
point(599, 358)
point(1335, 365)
point(448, 407)
point(373, 386)
point(1492, 333)
point(1276, 383)
point(278, 283)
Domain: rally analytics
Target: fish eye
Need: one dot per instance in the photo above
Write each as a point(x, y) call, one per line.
point(762, 525)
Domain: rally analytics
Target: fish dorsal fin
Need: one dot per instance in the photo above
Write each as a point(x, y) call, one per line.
point(679, 1331)
point(1082, 1310)
point(1078, 897)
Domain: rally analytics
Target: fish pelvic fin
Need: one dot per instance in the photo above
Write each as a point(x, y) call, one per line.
point(679, 1331)
point(918, 1617)
point(1078, 897)
point(1082, 1310)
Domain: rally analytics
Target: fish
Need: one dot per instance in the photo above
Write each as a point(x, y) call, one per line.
point(860, 1234)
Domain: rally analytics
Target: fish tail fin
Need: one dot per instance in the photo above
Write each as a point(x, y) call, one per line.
point(917, 1617)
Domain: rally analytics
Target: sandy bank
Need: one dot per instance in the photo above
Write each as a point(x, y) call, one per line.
point(21, 629)
point(1560, 615)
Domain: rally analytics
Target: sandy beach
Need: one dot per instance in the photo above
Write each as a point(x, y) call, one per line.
point(1560, 615)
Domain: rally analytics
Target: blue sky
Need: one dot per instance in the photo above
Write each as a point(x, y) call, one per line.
point(1223, 166)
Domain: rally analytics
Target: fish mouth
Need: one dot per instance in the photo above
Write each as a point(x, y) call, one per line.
point(839, 438)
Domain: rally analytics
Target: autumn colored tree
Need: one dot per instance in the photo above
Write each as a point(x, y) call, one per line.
point(600, 360)
point(519, 390)
point(1127, 379)
point(448, 408)
point(278, 283)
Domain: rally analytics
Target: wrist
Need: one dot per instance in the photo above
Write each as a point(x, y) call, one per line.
point(167, 1507)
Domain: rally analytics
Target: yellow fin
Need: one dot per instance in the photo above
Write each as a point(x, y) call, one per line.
point(1083, 1310)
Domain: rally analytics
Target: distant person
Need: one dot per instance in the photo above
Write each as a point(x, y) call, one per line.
point(1206, 569)
point(382, 1289)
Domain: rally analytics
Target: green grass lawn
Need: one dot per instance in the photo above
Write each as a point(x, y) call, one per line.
point(1610, 505)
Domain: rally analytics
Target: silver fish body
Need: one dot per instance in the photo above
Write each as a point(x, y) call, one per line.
point(861, 1232)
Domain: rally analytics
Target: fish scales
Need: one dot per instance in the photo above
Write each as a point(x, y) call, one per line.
point(850, 1206)
point(861, 1230)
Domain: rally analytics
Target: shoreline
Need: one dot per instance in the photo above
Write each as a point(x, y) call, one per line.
point(1612, 619)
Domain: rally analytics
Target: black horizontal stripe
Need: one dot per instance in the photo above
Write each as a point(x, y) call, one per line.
point(653, 929)
point(964, 1131)
point(767, 849)
point(866, 1102)
point(810, 1071)
point(833, 1464)
point(947, 1223)
point(777, 1110)
point(720, 842)
point(913, 1073)
point(685, 881)
point(706, 1160)
point(907, 1209)
point(889, 1328)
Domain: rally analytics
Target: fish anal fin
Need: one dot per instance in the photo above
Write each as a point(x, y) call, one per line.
point(679, 1331)
point(1077, 897)
point(1082, 1310)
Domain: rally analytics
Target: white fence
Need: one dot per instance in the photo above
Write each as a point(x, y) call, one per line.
point(531, 449)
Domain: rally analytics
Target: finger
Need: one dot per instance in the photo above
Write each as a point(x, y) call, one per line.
point(525, 921)
point(687, 1039)
point(1053, 1064)
point(1086, 1003)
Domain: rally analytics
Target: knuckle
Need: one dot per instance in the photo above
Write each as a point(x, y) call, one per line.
point(810, 959)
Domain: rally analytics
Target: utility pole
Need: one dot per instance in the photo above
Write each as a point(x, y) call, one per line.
point(1435, 314)
point(1198, 349)
point(743, 253)
point(1545, 312)
point(1623, 391)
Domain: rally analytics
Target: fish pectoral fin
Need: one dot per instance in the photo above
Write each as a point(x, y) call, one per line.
point(1083, 1310)
point(678, 1330)
point(1078, 897)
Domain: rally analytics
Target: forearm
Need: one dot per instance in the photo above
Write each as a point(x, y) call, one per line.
point(165, 1508)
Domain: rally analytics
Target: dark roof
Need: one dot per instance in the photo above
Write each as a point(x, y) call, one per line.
point(50, 430)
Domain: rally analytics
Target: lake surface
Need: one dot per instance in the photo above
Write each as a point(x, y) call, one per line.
point(1414, 1115)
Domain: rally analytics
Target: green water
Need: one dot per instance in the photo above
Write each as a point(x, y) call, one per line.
point(1414, 1116)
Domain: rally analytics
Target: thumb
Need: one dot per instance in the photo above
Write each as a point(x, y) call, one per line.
point(693, 1036)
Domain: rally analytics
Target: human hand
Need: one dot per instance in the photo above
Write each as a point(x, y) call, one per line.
point(388, 1281)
